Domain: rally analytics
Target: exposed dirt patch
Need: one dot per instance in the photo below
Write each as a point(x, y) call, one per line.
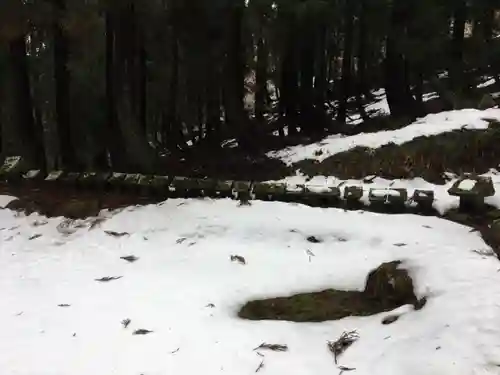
point(387, 288)
point(460, 151)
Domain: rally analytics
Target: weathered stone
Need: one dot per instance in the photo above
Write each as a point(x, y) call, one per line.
point(144, 182)
point(183, 187)
point(13, 168)
point(472, 190)
point(424, 199)
point(33, 175)
point(486, 102)
point(242, 190)
point(268, 191)
point(160, 184)
point(353, 193)
point(377, 196)
point(322, 196)
point(224, 188)
point(390, 284)
point(473, 185)
point(423, 196)
point(294, 192)
point(131, 180)
point(117, 179)
point(388, 196)
point(207, 187)
point(54, 176)
point(397, 196)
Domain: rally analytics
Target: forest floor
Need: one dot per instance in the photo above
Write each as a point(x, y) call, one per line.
point(186, 286)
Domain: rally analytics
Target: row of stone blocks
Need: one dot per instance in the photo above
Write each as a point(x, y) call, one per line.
point(472, 190)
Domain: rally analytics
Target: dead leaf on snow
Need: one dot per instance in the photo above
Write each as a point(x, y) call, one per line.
point(112, 233)
point(108, 278)
point(238, 258)
point(142, 332)
point(130, 258)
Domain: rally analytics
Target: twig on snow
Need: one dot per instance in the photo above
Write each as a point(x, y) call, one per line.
point(273, 347)
point(260, 367)
point(339, 346)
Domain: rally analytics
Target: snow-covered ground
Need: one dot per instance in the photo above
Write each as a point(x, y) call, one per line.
point(56, 319)
point(429, 125)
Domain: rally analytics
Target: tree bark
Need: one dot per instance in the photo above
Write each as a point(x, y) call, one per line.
point(399, 98)
point(113, 134)
point(21, 137)
point(347, 61)
point(62, 90)
point(457, 46)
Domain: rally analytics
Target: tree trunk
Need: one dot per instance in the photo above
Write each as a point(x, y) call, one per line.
point(308, 123)
point(457, 46)
point(399, 98)
point(361, 79)
point(235, 72)
point(261, 78)
point(347, 61)
point(113, 135)
point(21, 137)
point(62, 90)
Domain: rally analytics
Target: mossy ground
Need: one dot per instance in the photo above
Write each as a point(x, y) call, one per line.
point(387, 288)
point(473, 151)
point(321, 306)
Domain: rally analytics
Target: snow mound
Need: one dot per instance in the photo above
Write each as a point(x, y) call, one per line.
point(429, 125)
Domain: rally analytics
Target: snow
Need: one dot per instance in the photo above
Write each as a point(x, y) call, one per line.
point(383, 193)
point(429, 125)
point(488, 82)
point(5, 200)
point(184, 247)
point(467, 184)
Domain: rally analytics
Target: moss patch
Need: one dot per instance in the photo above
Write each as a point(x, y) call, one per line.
point(459, 151)
point(387, 288)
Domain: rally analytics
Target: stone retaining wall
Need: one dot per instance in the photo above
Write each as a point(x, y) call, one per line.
point(471, 190)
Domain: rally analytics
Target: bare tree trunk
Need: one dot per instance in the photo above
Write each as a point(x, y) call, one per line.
point(20, 135)
point(114, 137)
point(457, 46)
point(62, 91)
point(347, 61)
point(261, 78)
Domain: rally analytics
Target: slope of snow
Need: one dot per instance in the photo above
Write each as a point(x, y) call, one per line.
point(5, 200)
point(432, 124)
point(184, 249)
